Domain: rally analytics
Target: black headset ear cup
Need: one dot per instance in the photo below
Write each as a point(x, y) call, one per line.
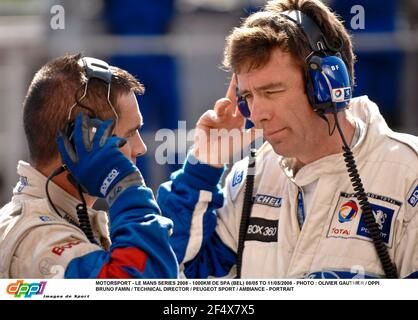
point(69, 131)
point(93, 125)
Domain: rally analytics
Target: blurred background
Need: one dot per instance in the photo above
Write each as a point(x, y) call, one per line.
point(175, 48)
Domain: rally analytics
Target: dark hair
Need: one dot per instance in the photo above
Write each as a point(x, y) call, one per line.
point(52, 92)
point(250, 45)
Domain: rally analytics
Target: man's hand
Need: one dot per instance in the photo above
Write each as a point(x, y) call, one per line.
point(220, 132)
point(95, 161)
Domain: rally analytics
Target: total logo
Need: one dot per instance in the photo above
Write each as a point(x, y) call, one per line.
point(338, 93)
point(348, 211)
point(341, 94)
point(340, 231)
point(27, 290)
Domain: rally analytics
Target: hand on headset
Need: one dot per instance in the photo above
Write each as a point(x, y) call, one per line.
point(224, 115)
point(94, 159)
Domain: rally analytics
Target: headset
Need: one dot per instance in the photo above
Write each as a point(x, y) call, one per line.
point(329, 91)
point(93, 69)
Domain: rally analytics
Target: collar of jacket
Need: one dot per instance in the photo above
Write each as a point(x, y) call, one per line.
point(32, 183)
point(373, 133)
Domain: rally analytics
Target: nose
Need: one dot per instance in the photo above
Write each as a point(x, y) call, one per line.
point(139, 147)
point(259, 113)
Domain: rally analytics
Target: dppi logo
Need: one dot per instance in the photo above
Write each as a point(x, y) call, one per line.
point(27, 290)
point(348, 211)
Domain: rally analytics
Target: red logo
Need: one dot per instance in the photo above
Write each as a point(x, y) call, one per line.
point(340, 231)
point(60, 249)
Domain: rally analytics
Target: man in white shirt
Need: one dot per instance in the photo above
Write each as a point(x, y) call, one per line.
point(299, 214)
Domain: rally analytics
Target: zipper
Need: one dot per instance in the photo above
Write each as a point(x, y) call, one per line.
point(300, 208)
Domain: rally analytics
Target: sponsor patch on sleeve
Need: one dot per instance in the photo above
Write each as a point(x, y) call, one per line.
point(22, 183)
point(413, 198)
point(238, 177)
point(348, 221)
point(58, 250)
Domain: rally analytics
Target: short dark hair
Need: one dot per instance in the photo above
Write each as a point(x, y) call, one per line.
point(52, 92)
point(251, 44)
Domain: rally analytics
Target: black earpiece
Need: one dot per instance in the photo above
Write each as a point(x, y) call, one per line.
point(98, 69)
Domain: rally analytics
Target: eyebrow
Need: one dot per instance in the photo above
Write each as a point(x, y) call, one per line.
point(268, 86)
point(138, 127)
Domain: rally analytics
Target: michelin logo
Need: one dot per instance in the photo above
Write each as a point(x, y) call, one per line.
point(267, 200)
point(108, 181)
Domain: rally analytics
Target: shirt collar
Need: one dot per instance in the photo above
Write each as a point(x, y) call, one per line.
point(32, 182)
point(369, 123)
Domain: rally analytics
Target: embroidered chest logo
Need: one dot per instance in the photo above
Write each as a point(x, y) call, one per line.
point(263, 230)
point(267, 200)
point(348, 211)
point(23, 182)
point(413, 199)
point(58, 250)
point(238, 175)
point(383, 217)
point(349, 222)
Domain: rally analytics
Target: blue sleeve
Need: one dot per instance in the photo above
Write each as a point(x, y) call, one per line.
point(140, 242)
point(191, 199)
point(413, 275)
point(214, 259)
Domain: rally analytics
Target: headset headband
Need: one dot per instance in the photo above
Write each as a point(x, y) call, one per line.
point(313, 33)
point(316, 38)
point(99, 69)
point(96, 68)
